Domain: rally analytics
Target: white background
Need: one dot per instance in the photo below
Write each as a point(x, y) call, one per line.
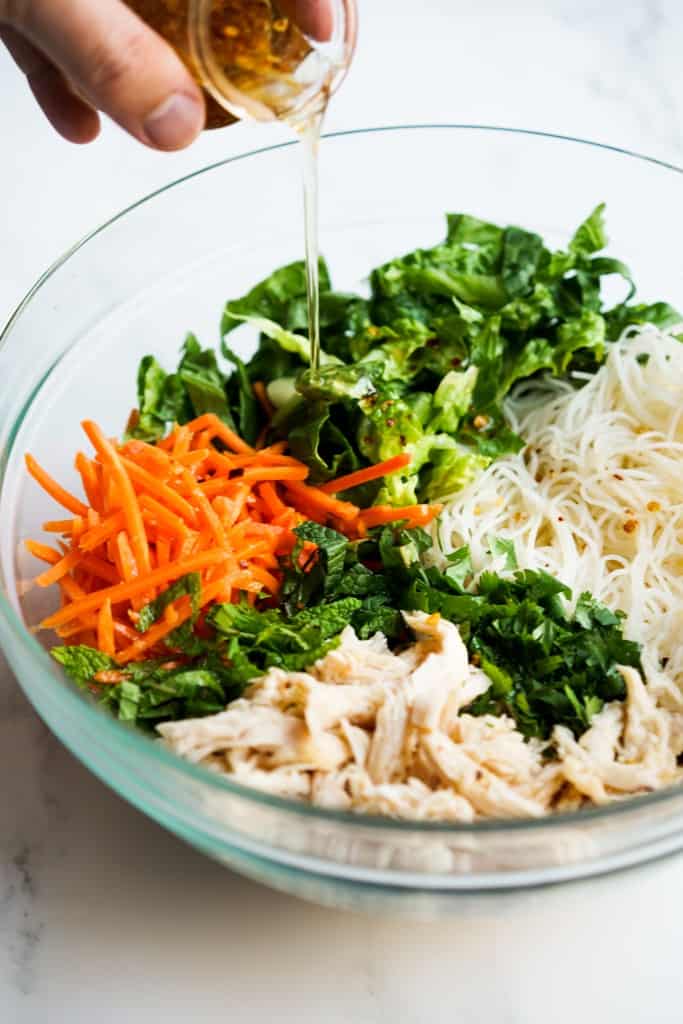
point(102, 915)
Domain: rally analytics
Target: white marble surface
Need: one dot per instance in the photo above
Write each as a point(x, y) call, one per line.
point(102, 914)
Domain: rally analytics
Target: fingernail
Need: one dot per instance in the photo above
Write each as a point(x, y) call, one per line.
point(175, 122)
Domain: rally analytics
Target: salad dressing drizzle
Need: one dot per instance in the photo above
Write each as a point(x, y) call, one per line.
point(254, 61)
point(309, 134)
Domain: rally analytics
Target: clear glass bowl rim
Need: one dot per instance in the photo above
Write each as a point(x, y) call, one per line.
point(126, 737)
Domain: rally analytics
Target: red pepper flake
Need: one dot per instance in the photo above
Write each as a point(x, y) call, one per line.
point(630, 525)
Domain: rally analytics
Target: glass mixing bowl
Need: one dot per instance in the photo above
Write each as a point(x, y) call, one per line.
point(166, 266)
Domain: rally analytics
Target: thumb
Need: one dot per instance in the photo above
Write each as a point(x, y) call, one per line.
point(119, 65)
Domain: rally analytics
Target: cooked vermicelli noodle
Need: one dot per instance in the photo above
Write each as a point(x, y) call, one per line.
point(596, 498)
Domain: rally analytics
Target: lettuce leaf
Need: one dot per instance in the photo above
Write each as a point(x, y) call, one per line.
point(197, 386)
point(280, 297)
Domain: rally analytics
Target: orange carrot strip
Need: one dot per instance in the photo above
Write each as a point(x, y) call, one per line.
point(261, 395)
point(364, 476)
point(99, 567)
point(215, 486)
point(160, 490)
point(59, 525)
point(224, 464)
point(59, 569)
point(71, 589)
point(108, 490)
point(195, 460)
point(181, 441)
point(144, 453)
point(266, 578)
point(209, 421)
point(205, 509)
point(129, 502)
point(223, 508)
point(126, 563)
point(415, 514)
point(90, 478)
point(271, 499)
point(125, 591)
point(163, 551)
point(315, 499)
point(105, 630)
point(203, 540)
point(201, 440)
point(96, 536)
point(266, 473)
point(54, 489)
point(42, 551)
point(161, 515)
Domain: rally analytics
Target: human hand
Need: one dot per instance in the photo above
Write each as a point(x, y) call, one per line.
point(81, 57)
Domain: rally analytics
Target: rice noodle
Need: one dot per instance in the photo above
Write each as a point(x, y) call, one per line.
point(596, 498)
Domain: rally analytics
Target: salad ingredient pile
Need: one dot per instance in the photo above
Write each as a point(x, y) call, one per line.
point(387, 586)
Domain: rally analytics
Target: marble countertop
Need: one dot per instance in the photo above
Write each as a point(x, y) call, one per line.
point(105, 916)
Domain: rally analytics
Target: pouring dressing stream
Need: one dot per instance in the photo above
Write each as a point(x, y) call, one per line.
point(267, 60)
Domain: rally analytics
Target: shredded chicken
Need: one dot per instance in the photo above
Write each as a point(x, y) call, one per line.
point(369, 730)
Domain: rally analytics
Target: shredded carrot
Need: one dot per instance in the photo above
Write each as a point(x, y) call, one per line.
point(97, 535)
point(55, 491)
point(161, 516)
point(163, 551)
point(125, 561)
point(142, 478)
point(266, 473)
point(206, 511)
point(182, 441)
point(124, 591)
point(313, 500)
point(125, 493)
point(209, 421)
point(157, 512)
point(202, 439)
point(59, 569)
point(364, 476)
point(269, 581)
point(63, 526)
point(91, 480)
point(271, 499)
point(105, 630)
point(414, 515)
point(42, 551)
point(148, 456)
